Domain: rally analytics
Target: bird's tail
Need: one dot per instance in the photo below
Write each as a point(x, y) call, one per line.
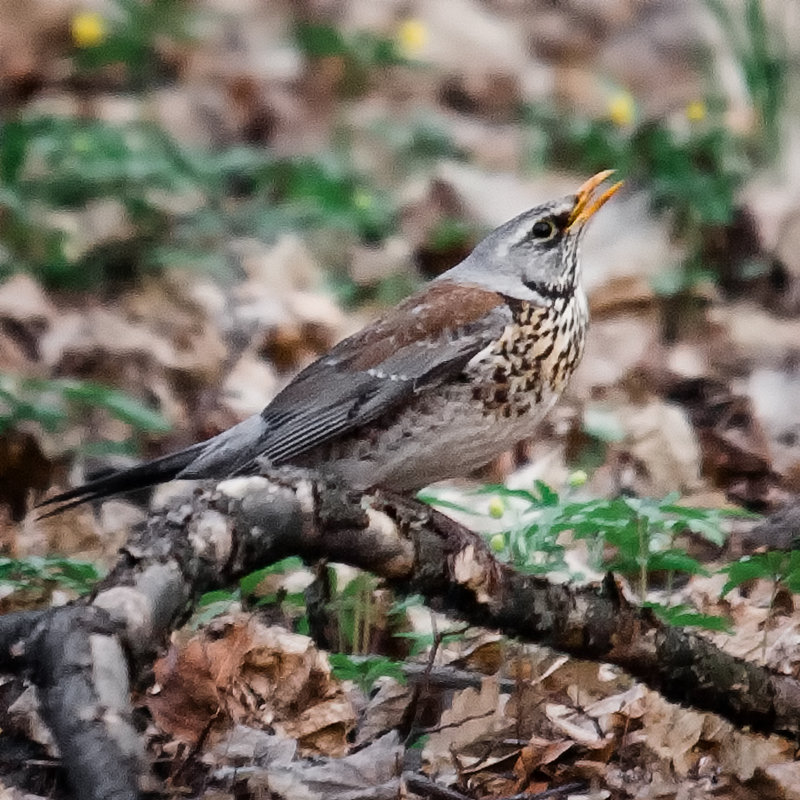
point(223, 455)
point(160, 470)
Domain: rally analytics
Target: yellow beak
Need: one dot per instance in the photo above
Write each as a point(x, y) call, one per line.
point(585, 206)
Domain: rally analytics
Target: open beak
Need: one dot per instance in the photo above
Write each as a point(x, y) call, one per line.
point(585, 204)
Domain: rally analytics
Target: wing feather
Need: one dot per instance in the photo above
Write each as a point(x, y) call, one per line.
point(415, 348)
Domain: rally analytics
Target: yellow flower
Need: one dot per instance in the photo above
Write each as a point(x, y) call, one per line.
point(88, 29)
point(621, 109)
point(411, 38)
point(696, 111)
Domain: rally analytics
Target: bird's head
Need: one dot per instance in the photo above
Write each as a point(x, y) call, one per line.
point(535, 255)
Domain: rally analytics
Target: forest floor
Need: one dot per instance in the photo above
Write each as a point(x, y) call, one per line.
point(186, 225)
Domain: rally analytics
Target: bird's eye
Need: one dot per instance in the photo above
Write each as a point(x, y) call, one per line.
point(543, 229)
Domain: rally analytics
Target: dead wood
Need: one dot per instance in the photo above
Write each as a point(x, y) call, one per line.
point(74, 655)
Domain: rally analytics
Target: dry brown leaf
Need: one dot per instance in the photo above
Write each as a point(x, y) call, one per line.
point(775, 394)
point(745, 754)
point(385, 710)
point(535, 754)
point(787, 776)
point(286, 266)
point(23, 467)
point(616, 346)
point(615, 712)
point(249, 386)
point(241, 671)
point(371, 264)
point(76, 532)
point(98, 332)
point(14, 357)
point(23, 301)
point(371, 772)
point(185, 701)
point(472, 715)
point(622, 294)
point(594, 681)
point(575, 725)
point(25, 716)
point(672, 732)
point(322, 728)
point(245, 746)
point(483, 652)
point(658, 435)
point(735, 449)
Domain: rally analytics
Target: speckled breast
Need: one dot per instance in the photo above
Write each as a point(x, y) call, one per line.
point(446, 433)
point(534, 358)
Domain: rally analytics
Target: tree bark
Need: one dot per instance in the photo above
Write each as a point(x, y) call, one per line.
point(74, 655)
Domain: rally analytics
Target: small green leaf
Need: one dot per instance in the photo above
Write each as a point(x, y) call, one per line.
point(547, 496)
point(675, 561)
point(119, 404)
point(20, 573)
point(440, 502)
point(249, 583)
point(210, 611)
point(684, 616)
point(365, 670)
point(746, 569)
point(216, 596)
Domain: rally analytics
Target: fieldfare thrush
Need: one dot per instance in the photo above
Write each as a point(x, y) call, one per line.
point(441, 384)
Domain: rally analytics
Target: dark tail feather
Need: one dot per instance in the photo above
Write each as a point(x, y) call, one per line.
point(160, 470)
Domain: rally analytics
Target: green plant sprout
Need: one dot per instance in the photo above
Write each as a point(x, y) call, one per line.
point(417, 145)
point(53, 403)
point(39, 572)
point(761, 50)
point(365, 670)
point(361, 53)
point(62, 164)
point(693, 170)
point(128, 38)
point(249, 594)
point(355, 609)
point(632, 536)
point(692, 175)
point(781, 568)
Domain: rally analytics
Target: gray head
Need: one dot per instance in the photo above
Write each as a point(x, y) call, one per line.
point(535, 255)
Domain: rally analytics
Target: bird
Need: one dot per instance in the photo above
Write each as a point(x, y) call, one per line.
point(437, 387)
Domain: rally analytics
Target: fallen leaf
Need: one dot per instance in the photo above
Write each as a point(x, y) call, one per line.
point(240, 671)
point(535, 754)
point(472, 715)
point(372, 772)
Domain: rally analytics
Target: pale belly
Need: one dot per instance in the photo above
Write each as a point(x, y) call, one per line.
point(440, 436)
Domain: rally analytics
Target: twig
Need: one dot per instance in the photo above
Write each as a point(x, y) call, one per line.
point(555, 791)
point(420, 784)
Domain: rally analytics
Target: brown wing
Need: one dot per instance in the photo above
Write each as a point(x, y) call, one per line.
point(424, 341)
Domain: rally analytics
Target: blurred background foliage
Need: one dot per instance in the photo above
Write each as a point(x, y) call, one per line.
point(51, 163)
